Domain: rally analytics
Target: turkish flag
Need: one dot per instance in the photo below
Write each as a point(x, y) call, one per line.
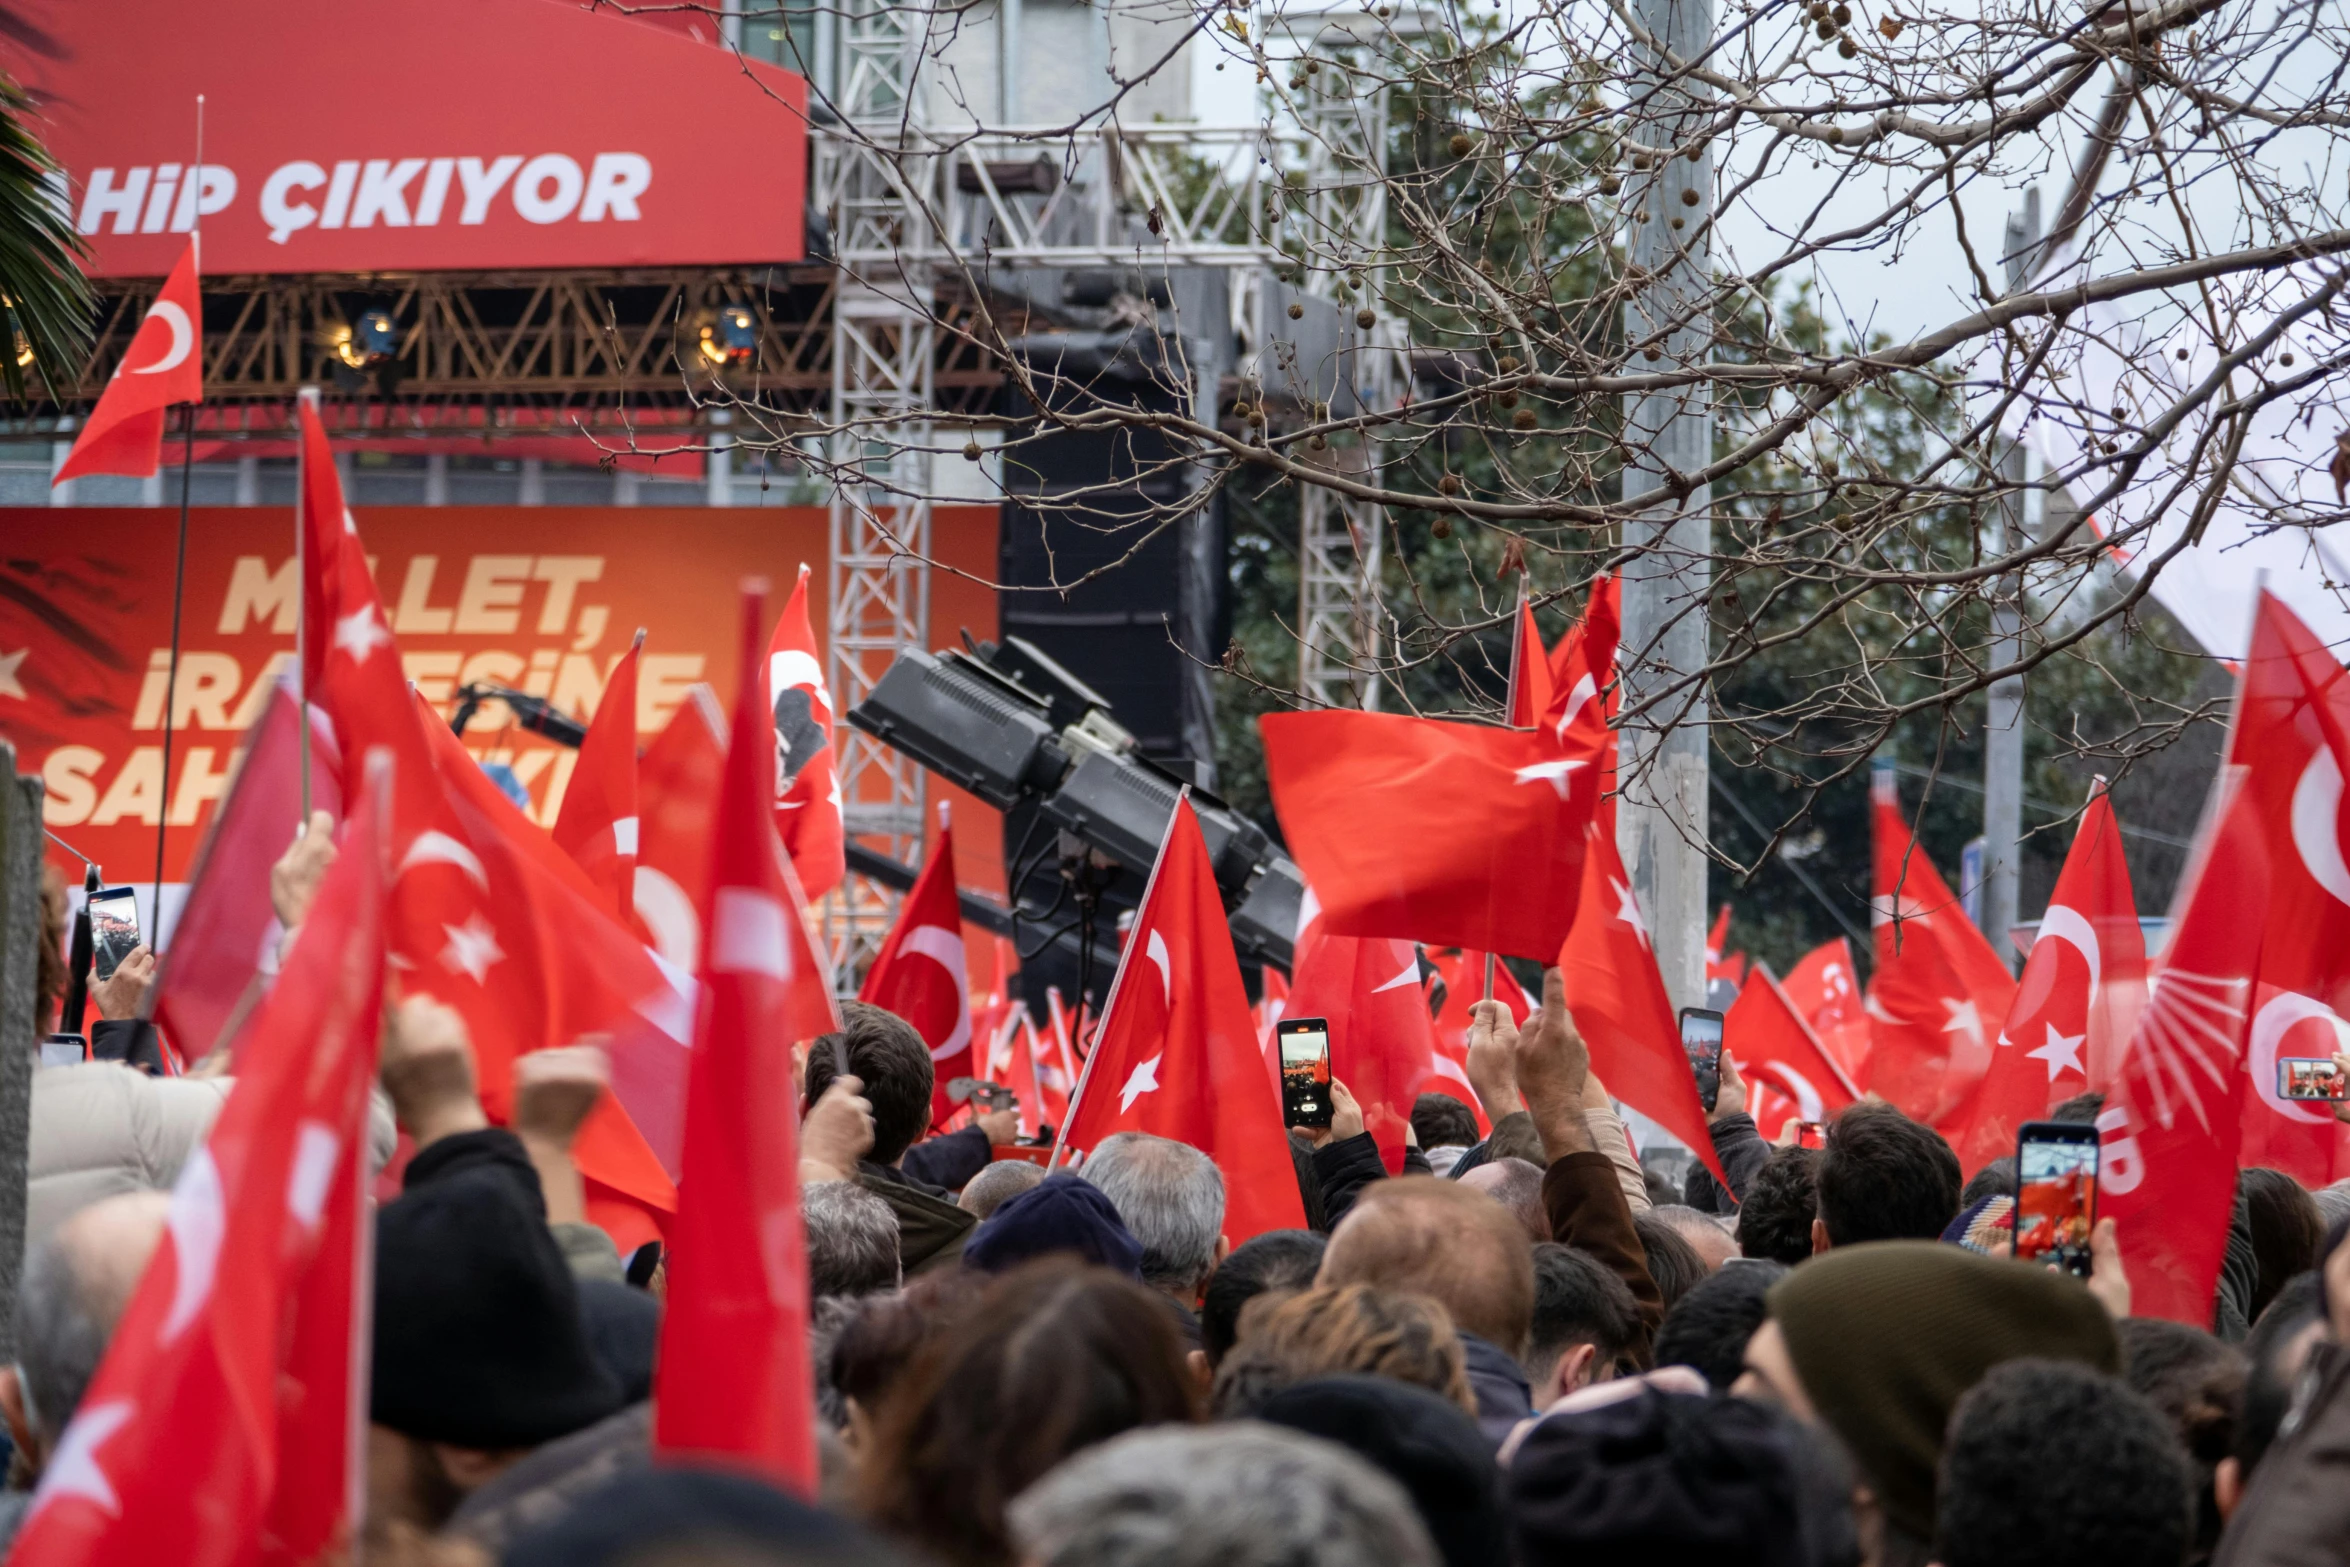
point(1176, 1054)
point(164, 365)
point(1939, 990)
point(921, 973)
point(2083, 984)
point(1721, 967)
point(1824, 990)
point(1583, 666)
point(807, 788)
point(224, 943)
point(1382, 1041)
point(1462, 974)
point(599, 824)
point(1460, 835)
point(220, 1426)
point(2172, 1127)
point(1530, 691)
point(734, 1383)
point(677, 806)
point(1057, 1069)
point(1617, 997)
point(1776, 1051)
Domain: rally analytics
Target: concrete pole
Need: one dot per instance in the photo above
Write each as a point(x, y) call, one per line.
point(2003, 730)
point(1662, 819)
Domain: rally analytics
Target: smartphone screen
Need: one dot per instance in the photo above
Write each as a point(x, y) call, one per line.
point(2316, 1078)
point(1305, 1070)
point(64, 1050)
point(1701, 1036)
point(1811, 1134)
point(2056, 1193)
point(114, 929)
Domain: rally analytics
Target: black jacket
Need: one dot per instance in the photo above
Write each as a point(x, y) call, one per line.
point(1742, 1151)
point(1504, 1397)
point(948, 1163)
point(1345, 1165)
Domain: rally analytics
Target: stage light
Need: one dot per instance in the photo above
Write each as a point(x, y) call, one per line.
point(374, 340)
point(732, 338)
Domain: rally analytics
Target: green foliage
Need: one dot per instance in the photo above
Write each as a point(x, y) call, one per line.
point(45, 302)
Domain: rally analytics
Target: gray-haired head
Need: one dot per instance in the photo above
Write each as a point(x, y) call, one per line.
point(75, 1286)
point(852, 1240)
point(1236, 1494)
point(998, 1184)
point(1172, 1198)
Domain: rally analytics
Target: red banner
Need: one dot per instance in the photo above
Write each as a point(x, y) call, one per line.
point(439, 135)
point(541, 599)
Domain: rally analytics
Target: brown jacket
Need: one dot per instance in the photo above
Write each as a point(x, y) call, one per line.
point(2297, 1512)
point(1587, 1210)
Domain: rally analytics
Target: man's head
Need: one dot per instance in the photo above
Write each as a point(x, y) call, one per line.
point(2050, 1464)
point(1996, 1179)
point(1059, 1214)
point(2283, 1222)
point(1172, 1198)
point(1459, 1247)
point(996, 1185)
point(1707, 1328)
point(884, 1053)
point(1441, 1121)
point(1517, 1185)
point(1584, 1321)
point(2275, 1352)
point(1707, 1236)
point(1238, 1494)
point(2196, 1383)
point(1673, 1264)
point(75, 1287)
point(852, 1240)
point(1782, 1201)
point(1340, 1330)
point(1276, 1262)
point(1883, 1177)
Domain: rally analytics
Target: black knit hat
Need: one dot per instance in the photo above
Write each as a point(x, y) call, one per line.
point(1662, 1479)
point(688, 1514)
point(478, 1341)
point(1426, 1444)
point(1061, 1213)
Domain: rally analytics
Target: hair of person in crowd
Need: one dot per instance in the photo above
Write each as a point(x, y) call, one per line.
point(1672, 1262)
point(1334, 1329)
point(1442, 1121)
point(1430, 1237)
point(2333, 1202)
point(890, 1059)
point(1659, 1186)
point(1061, 1214)
point(1781, 1203)
point(2275, 1353)
point(2197, 1384)
point(1707, 1328)
point(657, 1516)
point(1278, 1262)
point(1171, 1196)
point(1052, 1358)
point(1996, 1179)
point(873, 1346)
point(852, 1240)
point(1424, 1443)
point(2082, 1109)
point(74, 1289)
point(1883, 1177)
point(1585, 1323)
point(1240, 1495)
point(1669, 1477)
point(1708, 1235)
point(1517, 1185)
point(996, 1185)
point(2051, 1464)
point(2285, 1227)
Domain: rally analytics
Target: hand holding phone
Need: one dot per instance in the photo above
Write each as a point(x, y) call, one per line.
point(1304, 1043)
point(1701, 1037)
point(2056, 1194)
point(114, 929)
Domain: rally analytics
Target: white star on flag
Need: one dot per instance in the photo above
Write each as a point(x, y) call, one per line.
point(2061, 1052)
point(360, 633)
point(10, 666)
point(1628, 911)
point(198, 1220)
point(473, 947)
point(1964, 1019)
point(1552, 773)
point(74, 1471)
point(1145, 1080)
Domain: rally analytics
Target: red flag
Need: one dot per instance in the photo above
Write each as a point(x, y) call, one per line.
point(1939, 990)
point(1824, 990)
point(599, 824)
point(164, 365)
point(921, 973)
point(677, 801)
point(1175, 1054)
point(1382, 1041)
point(2083, 984)
point(1728, 968)
point(1583, 666)
point(224, 943)
point(734, 1381)
point(1617, 997)
point(219, 1428)
point(1458, 835)
point(807, 791)
point(1530, 692)
point(1463, 976)
point(2168, 1171)
point(1788, 1071)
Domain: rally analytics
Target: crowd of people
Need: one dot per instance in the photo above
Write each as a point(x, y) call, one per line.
point(1524, 1348)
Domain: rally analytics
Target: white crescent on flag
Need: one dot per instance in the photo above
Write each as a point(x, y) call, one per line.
point(1156, 951)
point(2270, 1025)
point(183, 337)
point(2317, 808)
point(945, 948)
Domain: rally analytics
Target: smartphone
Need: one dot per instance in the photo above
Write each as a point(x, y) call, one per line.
point(1305, 1070)
point(2056, 1193)
point(64, 1050)
point(2318, 1078)
point(114, 929)
point(1701, 1037)
point(1811, 1134)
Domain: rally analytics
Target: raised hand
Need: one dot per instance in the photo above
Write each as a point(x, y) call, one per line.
point(1552, 1065)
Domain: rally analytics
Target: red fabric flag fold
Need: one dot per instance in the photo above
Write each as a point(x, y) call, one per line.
point(1382, 1041)
point(163, 365)
point(1776, 1050)
point(807, 785)
point(922, 973)
point(599, 825)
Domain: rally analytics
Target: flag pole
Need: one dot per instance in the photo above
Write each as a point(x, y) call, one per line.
point(302, 605)
point(179, 573)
